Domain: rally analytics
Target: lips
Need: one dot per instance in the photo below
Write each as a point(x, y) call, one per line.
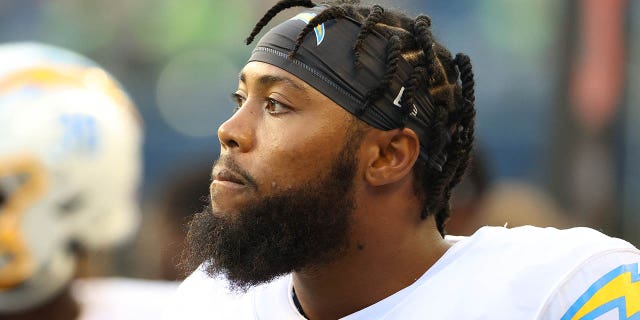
point(229, 176)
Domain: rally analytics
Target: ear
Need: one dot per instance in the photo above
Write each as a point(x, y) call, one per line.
point(392, 155)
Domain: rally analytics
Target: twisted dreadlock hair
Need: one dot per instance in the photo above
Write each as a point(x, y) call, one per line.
point(447, 80)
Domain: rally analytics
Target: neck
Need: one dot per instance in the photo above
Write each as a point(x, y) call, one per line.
point(371, 270)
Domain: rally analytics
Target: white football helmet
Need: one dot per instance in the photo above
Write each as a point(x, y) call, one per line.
point(70, 168)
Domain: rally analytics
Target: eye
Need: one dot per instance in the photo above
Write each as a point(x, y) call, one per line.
point(276, 107)
point(238, 99)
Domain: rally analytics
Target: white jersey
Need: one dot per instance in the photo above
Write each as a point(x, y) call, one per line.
point(122, 298)
point(498, 273)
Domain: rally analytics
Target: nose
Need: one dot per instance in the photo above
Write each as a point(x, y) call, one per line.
point(238, 132)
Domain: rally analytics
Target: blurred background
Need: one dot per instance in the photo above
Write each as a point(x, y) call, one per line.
point(558, 89)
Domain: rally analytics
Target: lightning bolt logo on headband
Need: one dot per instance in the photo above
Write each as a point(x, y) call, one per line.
point(319, 29)
point(618, 289)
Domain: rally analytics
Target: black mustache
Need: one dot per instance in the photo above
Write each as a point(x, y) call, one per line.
point(232, 167)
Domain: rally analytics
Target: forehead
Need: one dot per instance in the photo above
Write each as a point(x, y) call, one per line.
point(262, 76)
point(265, 74)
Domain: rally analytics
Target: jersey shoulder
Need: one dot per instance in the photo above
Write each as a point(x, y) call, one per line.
point(501, 273)
point(605, 286)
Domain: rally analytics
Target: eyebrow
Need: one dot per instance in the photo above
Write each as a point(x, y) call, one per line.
point(269, 79)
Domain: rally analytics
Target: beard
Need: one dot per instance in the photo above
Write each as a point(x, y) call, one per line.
point(289, 230)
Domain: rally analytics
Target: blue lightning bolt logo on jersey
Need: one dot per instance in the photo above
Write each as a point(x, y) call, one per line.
point(319, 29)
point(618, 289)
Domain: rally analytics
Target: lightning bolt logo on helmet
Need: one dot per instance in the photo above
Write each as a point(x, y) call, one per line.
point(618, 289)
point(319, 29)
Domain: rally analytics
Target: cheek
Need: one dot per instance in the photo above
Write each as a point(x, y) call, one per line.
point(290, 158)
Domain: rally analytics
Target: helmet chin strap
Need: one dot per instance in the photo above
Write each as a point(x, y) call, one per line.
point(43, 285)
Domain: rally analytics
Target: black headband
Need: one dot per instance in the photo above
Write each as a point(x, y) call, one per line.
point(325, 61)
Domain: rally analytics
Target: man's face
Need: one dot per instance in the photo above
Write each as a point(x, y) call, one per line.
point(282, 190)
point(284, 134)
